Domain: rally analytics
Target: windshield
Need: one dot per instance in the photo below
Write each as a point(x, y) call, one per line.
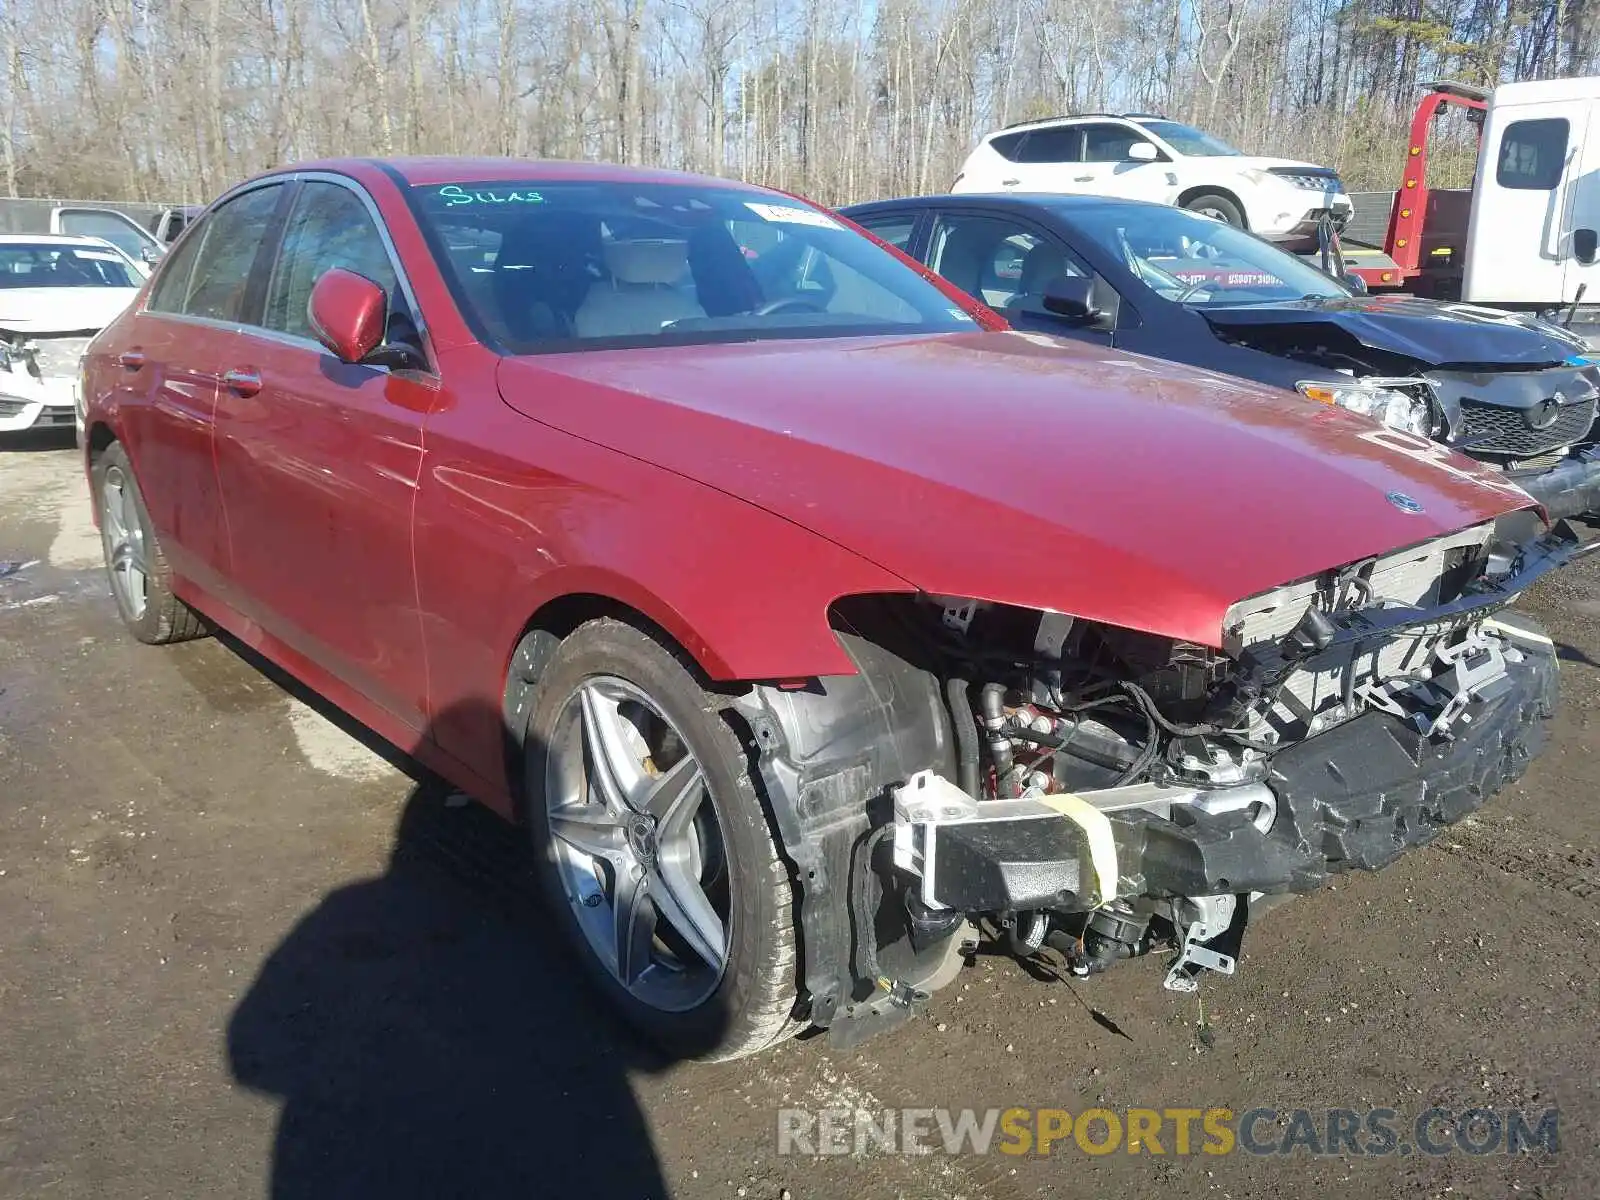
point(53, 265)
point(563, 266)
point(1186, 139)
point(1199, 261)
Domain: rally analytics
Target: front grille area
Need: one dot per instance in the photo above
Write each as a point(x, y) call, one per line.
point(1538, 462)
point(1412, 577)
point(1496, 429)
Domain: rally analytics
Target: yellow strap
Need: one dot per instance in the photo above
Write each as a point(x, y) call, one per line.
point(1517, 631)
point(1097, 829)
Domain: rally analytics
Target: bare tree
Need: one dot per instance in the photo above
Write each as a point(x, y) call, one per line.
point(841, 99)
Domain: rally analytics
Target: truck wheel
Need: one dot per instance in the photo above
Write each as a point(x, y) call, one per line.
point(654, 848)
point(1215, 204)
point(141, 581)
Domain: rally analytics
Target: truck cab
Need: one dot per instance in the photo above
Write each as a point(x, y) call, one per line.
point(1523, 236)
point(1535, 205)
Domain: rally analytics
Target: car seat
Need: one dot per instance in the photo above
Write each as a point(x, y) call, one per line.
point(1041, 266)
point(543, 272)
point(643, 293)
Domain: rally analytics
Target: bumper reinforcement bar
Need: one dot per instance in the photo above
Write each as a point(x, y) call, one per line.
point(1354, 797)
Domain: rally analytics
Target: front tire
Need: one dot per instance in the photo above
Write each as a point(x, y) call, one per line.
point(1215, 204)
point(654, 849)
point(141, 581)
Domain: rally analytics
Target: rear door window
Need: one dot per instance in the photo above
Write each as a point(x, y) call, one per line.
point(894, 228)
point(1059, 145)
point(1532, 154)
point(223, 253)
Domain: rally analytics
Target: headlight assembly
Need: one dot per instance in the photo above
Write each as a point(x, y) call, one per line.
point(1404, 404)
point(17, 353)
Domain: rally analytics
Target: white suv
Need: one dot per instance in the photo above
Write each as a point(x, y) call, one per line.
point(1142, 157)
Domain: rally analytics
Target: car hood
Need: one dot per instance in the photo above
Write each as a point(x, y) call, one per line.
point(1020, 468)
point(1259, 162)
point(61, 310)
point(1434, 333)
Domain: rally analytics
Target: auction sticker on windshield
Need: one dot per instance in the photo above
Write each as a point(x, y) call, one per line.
point(792, 216)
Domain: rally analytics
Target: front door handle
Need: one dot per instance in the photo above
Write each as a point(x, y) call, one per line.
point(1083, 179)
point(243, 381)
point(131, 359)
point(1009, 182)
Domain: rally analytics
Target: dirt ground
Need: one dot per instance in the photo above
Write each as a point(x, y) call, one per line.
point(245, 950)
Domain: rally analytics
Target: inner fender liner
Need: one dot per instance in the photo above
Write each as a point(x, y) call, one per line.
point(826, 755)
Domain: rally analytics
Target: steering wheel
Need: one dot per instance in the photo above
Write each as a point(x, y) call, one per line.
point(787, 304)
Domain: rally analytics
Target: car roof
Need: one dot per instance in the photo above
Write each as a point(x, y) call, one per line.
point(1072, 119)
point(1023, 202)
point(429, 171)
point(52, 239)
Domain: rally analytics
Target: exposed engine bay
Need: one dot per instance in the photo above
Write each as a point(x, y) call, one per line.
point(1099, 793)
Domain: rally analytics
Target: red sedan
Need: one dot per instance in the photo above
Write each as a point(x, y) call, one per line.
point(805, 615)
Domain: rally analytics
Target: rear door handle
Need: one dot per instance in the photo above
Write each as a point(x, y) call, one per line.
point(243, 381)
point(1009, 182)
point(131, 359)
point(1083, 179)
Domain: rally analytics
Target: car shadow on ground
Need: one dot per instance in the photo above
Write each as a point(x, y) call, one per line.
point(428, 1033)
point(1568, 653)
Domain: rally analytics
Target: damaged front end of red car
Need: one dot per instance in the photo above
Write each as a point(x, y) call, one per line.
point(1088, 794)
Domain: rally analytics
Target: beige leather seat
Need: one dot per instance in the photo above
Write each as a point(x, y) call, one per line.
point(644, 292)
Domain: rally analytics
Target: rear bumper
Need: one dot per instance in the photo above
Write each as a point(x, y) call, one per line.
point(1571, 488)
point(1356, 797)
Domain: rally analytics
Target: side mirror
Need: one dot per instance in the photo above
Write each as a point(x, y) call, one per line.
point(1143, 152)
point(150, 254)
point(347, 313)
point(1072, 297)
point(1355, 283)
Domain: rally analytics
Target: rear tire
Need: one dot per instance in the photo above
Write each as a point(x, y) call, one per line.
point(141, 581)
point(1215, 204)
point(711, 973)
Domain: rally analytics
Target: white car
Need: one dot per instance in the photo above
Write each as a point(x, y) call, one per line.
point(56, 293)
point(1142, 157)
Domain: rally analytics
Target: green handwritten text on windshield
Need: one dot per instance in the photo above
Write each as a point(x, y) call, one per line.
point(455, 196)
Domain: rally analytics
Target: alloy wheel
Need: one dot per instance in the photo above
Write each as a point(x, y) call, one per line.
point(637, 845)
point(123, 533)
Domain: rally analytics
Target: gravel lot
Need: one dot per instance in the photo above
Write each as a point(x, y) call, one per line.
point(246, 950)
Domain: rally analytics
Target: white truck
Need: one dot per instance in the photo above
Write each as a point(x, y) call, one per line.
point(1524, 236)
point(119, 224)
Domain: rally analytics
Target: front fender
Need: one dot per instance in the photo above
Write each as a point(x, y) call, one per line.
point(513, 516)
